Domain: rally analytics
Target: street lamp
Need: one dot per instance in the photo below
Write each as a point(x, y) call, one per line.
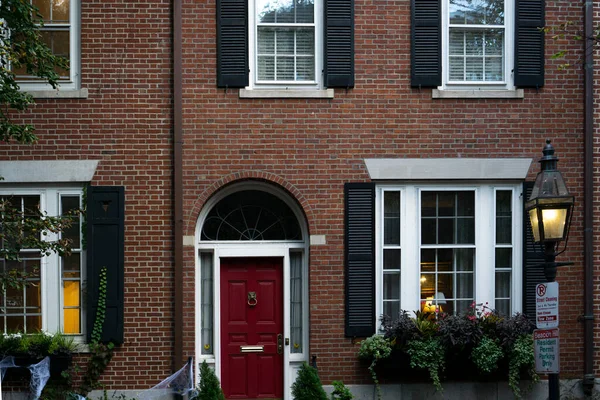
point(550, 208)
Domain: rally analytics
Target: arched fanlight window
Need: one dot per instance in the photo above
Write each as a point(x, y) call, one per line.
point(251, 215)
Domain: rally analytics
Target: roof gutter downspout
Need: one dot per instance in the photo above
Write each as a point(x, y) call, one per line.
point(177, 185)
point(588, 317)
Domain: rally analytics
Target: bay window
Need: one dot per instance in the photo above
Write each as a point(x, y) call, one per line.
point(445, 247)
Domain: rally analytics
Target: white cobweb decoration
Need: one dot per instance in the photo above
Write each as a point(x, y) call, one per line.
point(181, 383)
point(40, 373)
point(6, 363)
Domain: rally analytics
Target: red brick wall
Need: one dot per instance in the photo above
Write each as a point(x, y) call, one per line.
point(311, 147)
point(126, 123)
point(317, 145)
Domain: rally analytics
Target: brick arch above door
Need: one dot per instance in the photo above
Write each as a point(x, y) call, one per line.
point(244, 176)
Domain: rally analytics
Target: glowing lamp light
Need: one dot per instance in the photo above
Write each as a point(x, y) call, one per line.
point(550, 205)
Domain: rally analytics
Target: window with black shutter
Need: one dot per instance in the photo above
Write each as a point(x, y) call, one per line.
point(476, 38)
point(276, 45)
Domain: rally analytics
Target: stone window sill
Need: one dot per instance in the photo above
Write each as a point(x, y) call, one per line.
point(477, 94)
point(286, 94)
point(59, 94)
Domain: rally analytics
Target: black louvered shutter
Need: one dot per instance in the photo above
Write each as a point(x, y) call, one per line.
point(426, 40)
point(529, 43)
point(533, 259)
point(232, 43)
point(359, 221)
point(339, 43)
point(105, 248)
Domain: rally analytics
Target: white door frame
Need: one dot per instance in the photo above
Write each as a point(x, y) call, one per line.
point(280, 249)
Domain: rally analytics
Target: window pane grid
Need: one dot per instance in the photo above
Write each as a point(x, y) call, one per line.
point(71, 266)
point(476, 54)
point(447, 250)
point(285, 43)
point(503, 251)
point(55, 33)
point(21, 308)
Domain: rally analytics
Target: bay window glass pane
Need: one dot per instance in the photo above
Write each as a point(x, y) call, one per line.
point(391, 309)
point(503, 307)
point(391, 218)
point(391, 285)
point(206, 302)
point(503, 217)
point(464, 286)
point(503, 284)
point(465, 259)
point(446, 275)
point(296, 302)
point(504, 258)
point(391, 259)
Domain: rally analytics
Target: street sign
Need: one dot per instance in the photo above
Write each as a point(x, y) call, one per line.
point(546, 350)
point(546, 305)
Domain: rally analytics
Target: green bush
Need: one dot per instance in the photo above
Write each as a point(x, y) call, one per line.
point(481, 342)
point(340, 391)
point(308, 385)
point(209, 387)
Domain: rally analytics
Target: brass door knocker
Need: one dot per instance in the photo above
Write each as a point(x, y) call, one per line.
point(252, 299)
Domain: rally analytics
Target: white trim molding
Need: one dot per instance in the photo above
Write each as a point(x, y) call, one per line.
point(47, 171)
point(448, 168)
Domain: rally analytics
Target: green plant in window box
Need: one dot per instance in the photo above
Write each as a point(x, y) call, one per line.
point(373, 349)
point(480, 344)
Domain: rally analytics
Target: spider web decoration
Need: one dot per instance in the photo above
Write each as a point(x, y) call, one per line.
point(251, 215)
point(181, 383)
point(40, 373)
point(6, 363)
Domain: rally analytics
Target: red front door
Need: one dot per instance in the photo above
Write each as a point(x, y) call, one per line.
point(252, 328)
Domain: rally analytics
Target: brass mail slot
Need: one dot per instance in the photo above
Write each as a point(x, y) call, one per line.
point(252, 349)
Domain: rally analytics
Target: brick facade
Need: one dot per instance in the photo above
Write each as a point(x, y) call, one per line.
point(308, 147)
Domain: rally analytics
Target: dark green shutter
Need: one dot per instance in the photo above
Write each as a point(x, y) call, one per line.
point(529, 43)
point(426, 40)
point(359, 221)
point(232, 43)
point(339, 43)
point(533, 259)
point(105, 248)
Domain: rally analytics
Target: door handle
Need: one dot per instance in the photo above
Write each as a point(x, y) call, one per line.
point(280, 344)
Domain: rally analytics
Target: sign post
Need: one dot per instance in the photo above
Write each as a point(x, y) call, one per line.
point(546, 350)
point(546, 305)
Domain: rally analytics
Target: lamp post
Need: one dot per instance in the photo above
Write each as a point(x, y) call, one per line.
point(550, 208)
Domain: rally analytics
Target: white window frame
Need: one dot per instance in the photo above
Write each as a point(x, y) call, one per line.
point(254, 83)
point(485, 211)
point(51, 265)
point(509, 34)
point(74, 80)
